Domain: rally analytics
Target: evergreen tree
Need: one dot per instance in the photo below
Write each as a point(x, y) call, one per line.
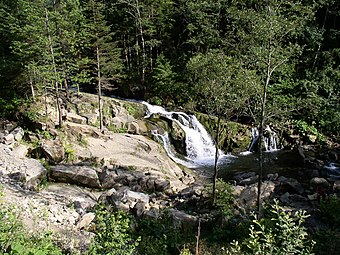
point(106, 62)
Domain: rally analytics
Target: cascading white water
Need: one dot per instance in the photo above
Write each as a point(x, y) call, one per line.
point(269, 140)
point(200, 148)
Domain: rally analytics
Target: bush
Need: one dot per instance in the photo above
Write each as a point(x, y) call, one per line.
point(281, 234)
point(113, 233)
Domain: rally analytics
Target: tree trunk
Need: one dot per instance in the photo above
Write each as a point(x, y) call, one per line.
point(262, 121)
point(216, 159)
point(54, 70)
point(100, 106)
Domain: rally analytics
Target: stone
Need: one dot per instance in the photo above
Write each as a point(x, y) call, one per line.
point(139, 209)
point(162, 184)
point(285, 198)
point(133, 128)
point(241, 176)
point(248, 181)
point(20, 151)
point(34, 173)
point(18, 134)
point(319, 182)
point(178, 138)
point(53, 150)
point(75, 118)
point(8, 139)
point(291, 185)
point(91, 118)
point(81, 175)
point(117, 122)
point(333, 155)
point(336, 186)
point(135, 196)
point(86, 220)
point(143, 129)
point(183, 220)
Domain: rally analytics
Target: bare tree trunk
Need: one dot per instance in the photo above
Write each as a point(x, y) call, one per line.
point(216, 159)
point(54, 70)
point(32, 88)
point(100, 105)
point(319, 45)
point(198, 237)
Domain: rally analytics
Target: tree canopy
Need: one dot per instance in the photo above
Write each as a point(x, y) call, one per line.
point(149, 50)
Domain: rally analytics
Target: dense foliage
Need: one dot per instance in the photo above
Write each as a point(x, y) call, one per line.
point(167, 50)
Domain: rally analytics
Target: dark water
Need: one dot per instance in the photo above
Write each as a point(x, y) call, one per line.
point(286, 163)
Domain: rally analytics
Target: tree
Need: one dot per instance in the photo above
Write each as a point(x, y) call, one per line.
point(107, 60)
point(216, 80)
point(269, 30)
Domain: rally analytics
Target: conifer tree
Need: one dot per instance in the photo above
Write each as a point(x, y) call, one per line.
point(107, 62)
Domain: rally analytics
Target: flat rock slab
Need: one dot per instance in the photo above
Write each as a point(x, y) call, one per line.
point(81, 175)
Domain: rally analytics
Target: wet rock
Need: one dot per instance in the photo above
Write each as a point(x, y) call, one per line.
point(81, 175)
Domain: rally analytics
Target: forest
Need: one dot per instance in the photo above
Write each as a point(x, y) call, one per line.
point(209, 56)
point(255, 62)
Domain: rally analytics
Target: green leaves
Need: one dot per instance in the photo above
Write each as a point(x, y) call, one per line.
point(280, 234)
point(112, 234)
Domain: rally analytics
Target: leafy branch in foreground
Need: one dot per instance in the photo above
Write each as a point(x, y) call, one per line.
point(283, 233)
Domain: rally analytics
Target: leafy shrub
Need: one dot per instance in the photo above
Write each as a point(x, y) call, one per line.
point(113, 233)
point(224, 197)
point(159, 236)
point(281, 234)
point(304, 129)
point(330, 212)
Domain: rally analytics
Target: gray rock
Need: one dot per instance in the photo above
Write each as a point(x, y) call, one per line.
point(319, 182)
point(18, 134)
point(34, 173)
point(20, 151)
point(86, 220)
point(291, 184)
point(250, 180)
point(76, 118)
point(53, 150)
point(336, 186)
point(91, 118)
point(82, 175)
point(139, 209)
point(183, 220)
point(135, 196)
point(133, 128)
point(8, 139)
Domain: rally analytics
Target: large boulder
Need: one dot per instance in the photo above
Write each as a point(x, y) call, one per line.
point(53, 150)
point(81, 175)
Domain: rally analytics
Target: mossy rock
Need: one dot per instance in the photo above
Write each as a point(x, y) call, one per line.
point(234, 137)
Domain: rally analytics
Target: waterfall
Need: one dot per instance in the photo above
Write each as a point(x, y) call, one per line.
point(200, 147)
point(269, 139)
